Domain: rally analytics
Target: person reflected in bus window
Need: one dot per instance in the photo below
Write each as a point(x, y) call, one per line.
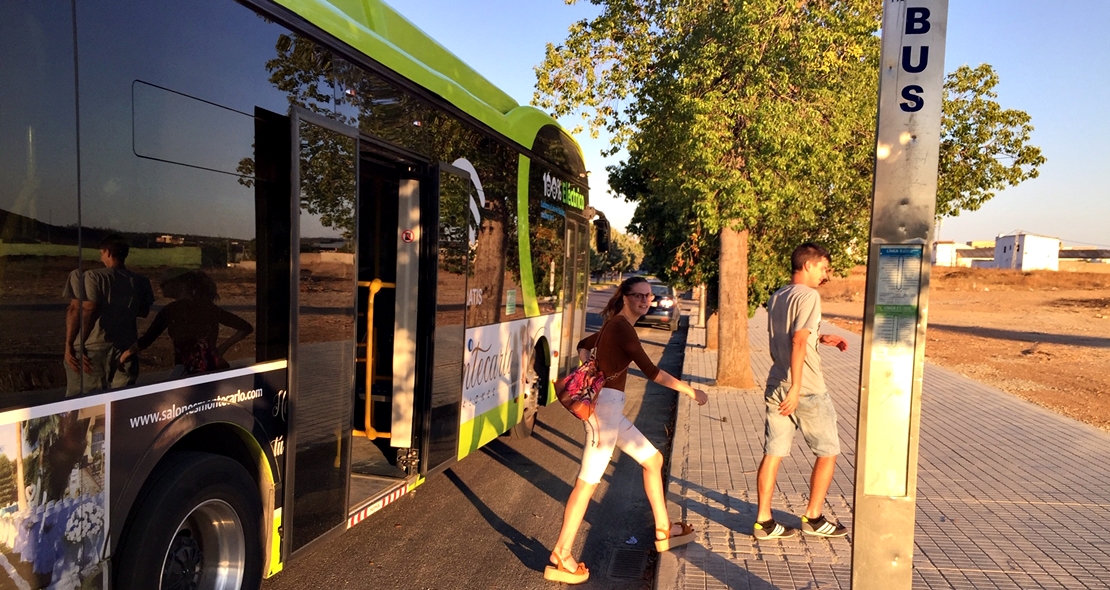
point(617, 346)
point(104, 305)
point(193, 320)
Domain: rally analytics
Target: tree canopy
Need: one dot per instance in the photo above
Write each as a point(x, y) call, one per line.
point(750, 128)
point(983, 147)
point(760, 115)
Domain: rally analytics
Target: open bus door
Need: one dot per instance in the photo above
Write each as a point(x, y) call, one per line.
point(353, 358)
point(574, 291)
point(382, 445)
point(444, 395)
point(322, 346)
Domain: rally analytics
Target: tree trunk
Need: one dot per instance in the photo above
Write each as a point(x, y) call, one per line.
point(699, 291)
point(734, 363)
point(711, 338)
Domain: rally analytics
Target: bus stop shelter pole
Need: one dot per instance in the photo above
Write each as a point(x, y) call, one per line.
point(907, 151)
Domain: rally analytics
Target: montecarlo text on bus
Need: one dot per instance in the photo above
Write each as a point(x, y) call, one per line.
point(264, 267)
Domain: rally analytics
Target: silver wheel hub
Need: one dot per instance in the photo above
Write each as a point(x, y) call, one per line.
point(208, 550)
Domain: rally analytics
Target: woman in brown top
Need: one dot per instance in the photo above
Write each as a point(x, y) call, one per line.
point(618, 346)
point(193, 320)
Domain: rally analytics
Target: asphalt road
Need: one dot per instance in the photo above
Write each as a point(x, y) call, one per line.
point(490, 521)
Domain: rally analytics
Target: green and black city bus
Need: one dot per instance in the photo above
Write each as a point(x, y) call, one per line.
point(408, 245)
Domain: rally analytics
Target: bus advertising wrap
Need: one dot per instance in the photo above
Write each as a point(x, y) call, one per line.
point(143, 428)
point(52, 483)
point(497, 371)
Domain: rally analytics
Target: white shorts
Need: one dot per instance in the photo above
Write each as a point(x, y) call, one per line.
point(606, 429)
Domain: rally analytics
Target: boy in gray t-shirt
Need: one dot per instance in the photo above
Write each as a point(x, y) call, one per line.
point(796, 398)
point(100, 321)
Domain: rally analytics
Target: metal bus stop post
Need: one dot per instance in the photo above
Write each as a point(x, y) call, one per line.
point(907, 151)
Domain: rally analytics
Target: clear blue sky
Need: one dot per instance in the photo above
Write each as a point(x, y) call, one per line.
point(1051, 56)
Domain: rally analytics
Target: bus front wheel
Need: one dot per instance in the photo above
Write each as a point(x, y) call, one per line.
point(537, 379)
point(527, 424)
point(197, 526)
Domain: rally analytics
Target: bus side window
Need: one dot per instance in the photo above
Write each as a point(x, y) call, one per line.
point(39, 245)
point(494, 268)
point(188, 160)
point(546, 226)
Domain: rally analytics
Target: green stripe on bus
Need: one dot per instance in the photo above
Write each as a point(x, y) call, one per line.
point(261, 459)
point(531, 306)
point(486, 427)
point(377, 30)
point(276, 564)
point(551, 398)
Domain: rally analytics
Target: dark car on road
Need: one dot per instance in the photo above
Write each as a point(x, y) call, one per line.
point(664, 310)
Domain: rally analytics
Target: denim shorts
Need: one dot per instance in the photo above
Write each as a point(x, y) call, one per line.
point(815, 417)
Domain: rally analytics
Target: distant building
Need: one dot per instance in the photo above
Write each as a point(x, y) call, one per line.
point(168, 239)
point(968, 255)
point(1021, 251)
point(975, 257)
point(1085, 260)
point(944, 253)
point(1026, 252)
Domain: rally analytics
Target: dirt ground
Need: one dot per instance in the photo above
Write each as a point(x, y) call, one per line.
point(1042, 336)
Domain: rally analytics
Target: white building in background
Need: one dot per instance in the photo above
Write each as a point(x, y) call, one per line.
point(968, 255)
point(944, 253)
point(1025, 252)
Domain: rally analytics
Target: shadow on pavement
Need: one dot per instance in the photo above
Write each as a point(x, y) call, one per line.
point(701, 380)
point(1012, 335)
point(528, 550)
point(727, 572)
point(554, 447)
point(573, 441)
point(735, 514)
point(524, 468)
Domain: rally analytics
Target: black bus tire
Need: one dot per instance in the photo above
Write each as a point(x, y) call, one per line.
point(193, 501)
point(527, 424)
point(540, 371)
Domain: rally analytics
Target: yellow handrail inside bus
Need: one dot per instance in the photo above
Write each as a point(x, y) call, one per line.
point(374, 286)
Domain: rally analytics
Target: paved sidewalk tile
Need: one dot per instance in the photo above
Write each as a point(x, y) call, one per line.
point(1010, 495)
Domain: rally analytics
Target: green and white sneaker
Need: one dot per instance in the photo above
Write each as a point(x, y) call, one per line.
point(769, 529)
point(821, 527)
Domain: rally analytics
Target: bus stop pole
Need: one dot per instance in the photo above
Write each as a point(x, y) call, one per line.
point(907, 150)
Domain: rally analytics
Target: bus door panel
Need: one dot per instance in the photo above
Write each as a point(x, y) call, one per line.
point(376, 466)
point(444, 396)
point(322, 326)
point(571, 316)
point(406, 311)
point(582, 281)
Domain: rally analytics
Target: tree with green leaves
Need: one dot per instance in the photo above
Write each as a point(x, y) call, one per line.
point(742, 121)
point(750, 128)
point(57, 443)
point(983, 147)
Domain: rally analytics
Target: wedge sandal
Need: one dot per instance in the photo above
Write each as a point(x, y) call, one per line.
point(559, 572)
point(671, 541)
